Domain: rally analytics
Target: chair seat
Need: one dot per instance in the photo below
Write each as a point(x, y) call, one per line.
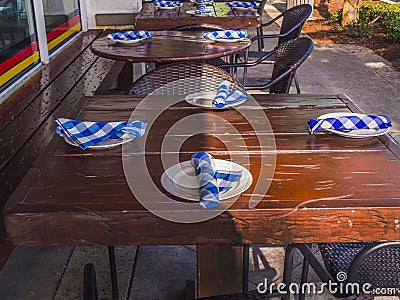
point(385, 262)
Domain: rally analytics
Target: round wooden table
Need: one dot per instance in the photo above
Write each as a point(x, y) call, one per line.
point(167, 46)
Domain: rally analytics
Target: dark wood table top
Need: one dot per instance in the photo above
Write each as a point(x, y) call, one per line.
point(325, 187)
point(150, 18)
point(168, 46)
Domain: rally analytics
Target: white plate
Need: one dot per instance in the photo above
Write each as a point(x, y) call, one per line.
point(128, 42)
point(206, 3)
point(180, 180)
point(204, 99)
point(108, 143)
point(167, 7)
point(357, 133)
point(229, 40)
point(193, 12)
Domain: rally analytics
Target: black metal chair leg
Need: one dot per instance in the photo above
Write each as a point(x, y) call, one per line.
point(296, 81)
point(113, 271)
point(89, 283)
point(304, 276)
point(245, 276)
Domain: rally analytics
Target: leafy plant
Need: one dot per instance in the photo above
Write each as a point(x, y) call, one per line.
point(336, 16)
point(357, 29)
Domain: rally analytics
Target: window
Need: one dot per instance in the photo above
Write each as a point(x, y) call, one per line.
point(18, 44)
point(18, 39)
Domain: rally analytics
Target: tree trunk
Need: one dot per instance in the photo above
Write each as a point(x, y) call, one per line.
point(350, 11)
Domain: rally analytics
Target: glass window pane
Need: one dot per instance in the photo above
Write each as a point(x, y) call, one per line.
point(62, 21)
point(18, 45)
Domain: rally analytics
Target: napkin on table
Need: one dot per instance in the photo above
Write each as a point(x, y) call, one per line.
point(166, 3)
point(226, 34)
point(130, 35)
point(211, 182)
point(348, 123)
point(203, 9)
point(242, 4)
point(85, 133)
point(224, 97)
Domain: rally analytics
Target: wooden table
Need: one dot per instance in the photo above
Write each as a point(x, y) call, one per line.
point(168, 46)
point(150, 18)
point(164, 47)
point(325, 188)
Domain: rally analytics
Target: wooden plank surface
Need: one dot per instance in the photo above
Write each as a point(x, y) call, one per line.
point(168, 46)
point(324, 187)
point(150, 18)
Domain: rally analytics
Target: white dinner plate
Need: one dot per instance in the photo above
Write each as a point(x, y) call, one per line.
point(180, 180)
point(108, 143)
point(167, 7)
point(127, 42)
point(205, 99)
point(357, 133)
point(206, 3)
point(193, 12)
point(229, 40)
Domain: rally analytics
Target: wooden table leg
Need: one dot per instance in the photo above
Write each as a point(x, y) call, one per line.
point(219, 269)
point(125, 78)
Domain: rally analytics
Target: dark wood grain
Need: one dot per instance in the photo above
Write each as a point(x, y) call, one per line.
point(167, 46)
point(324, 188)
point(150, 18)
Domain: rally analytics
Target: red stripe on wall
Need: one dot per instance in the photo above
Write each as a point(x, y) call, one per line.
point(64, 27)
point(17, 58)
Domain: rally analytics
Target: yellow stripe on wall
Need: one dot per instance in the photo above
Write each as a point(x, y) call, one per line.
point(19, 68)
point(58, 40)
point(14, 71)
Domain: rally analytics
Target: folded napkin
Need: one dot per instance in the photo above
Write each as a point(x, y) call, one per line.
point(130, 35)
point(211, 182)
point(242, 4)
point(224, 97)
point(205, 1)
point(203, 9)
point(348, 123)
point(226, 34)
point(85, 134)
point(165, 3)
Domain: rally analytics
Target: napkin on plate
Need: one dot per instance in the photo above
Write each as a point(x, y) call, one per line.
point(211, 182)
point(226, 34)
point(203, 9)
point(129, 35)
point(204, 1)
point(224, 97)
point(348, 123)
point(242, 4)
point(165, 3)
point(85, 133)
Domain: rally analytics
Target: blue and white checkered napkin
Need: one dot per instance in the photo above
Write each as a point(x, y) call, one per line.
point(348, 123)
point(129, 35)
point(85, 134)
point(226, 34)
point(165, 3)
point(204, 1)
point(242, 4)
point(212, 182)
point(203, 9)
point(224, 97)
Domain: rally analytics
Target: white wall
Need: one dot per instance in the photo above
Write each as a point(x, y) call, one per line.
point(109, 6)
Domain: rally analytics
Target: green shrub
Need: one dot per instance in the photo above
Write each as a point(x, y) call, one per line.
point(389, 17)
point(357, 29)
point(336, 17)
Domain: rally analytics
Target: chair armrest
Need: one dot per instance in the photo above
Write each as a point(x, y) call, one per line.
point(247, 64)
point(271, 21)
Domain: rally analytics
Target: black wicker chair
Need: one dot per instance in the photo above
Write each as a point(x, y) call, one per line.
point(293, 20)
point(377, 264)
point(192, 73)
point(288, 58)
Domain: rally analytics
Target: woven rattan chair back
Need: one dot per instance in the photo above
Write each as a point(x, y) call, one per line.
point(291, 17)
point(381, 268)
point(190, 74)
point(289, 56)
